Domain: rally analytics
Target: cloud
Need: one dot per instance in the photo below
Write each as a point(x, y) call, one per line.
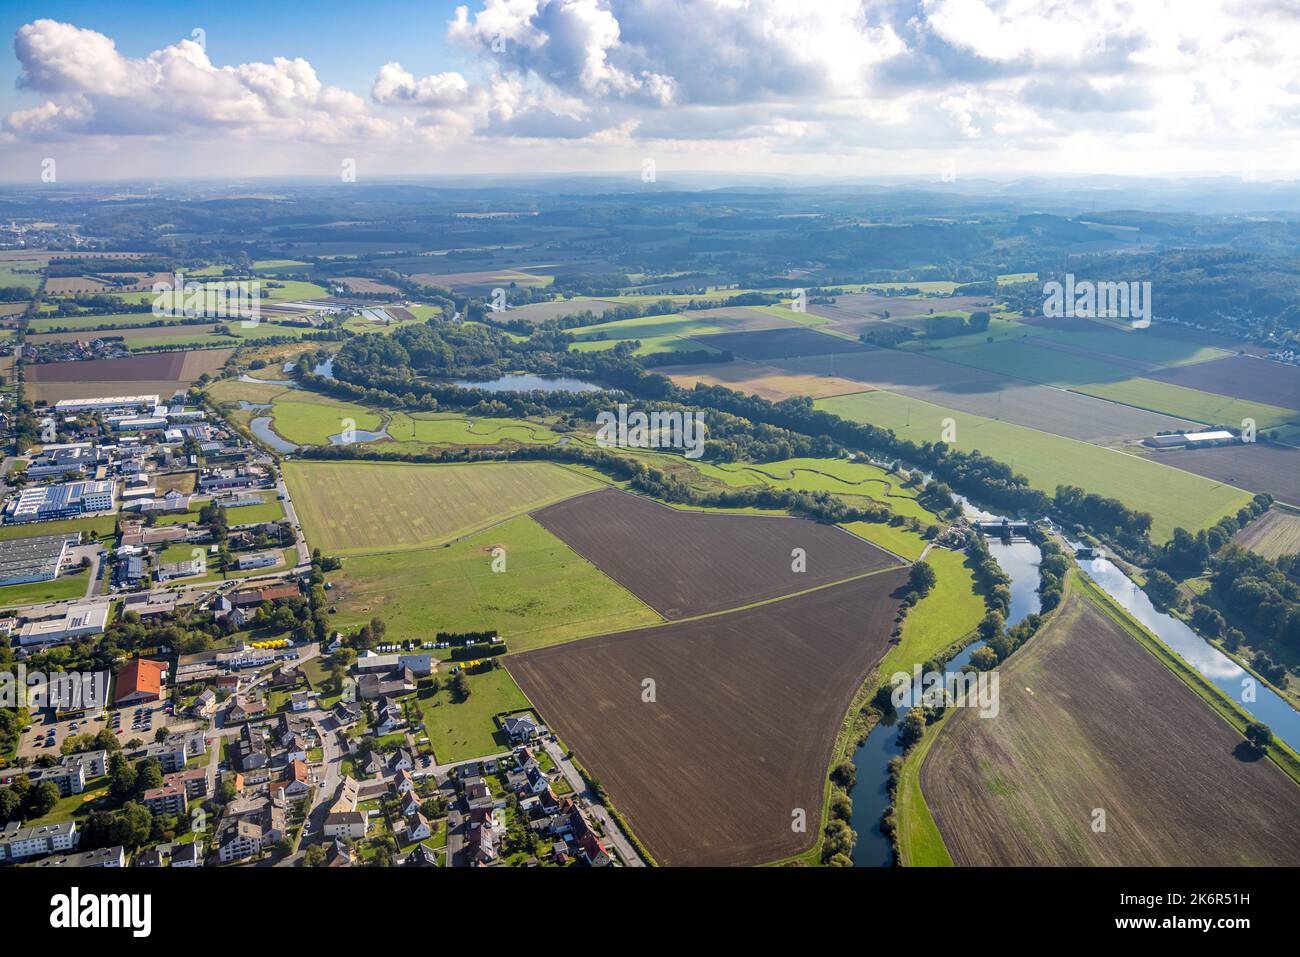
point(394, 85)
point(1072, 81)
point(97, 90)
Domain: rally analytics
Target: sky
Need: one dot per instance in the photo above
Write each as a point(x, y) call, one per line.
point(850, 88)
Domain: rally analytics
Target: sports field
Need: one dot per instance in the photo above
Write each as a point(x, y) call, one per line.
point(350, 508)
point(545, 594)
point(1172, 497)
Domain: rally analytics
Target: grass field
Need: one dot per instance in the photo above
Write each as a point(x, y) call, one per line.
point(101, 525)
point(1172, 497)
point(72, 585)
point(839, 476)
point(309, 419)
point(546, 594)
point(468, 729)
point(1191, 404)
point(949, 612)
point(20, 272)
point(450, 429)
point(901, 541)
point(354, 507)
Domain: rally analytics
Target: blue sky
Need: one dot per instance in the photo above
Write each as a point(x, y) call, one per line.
point(346, 40)
point(837, 87)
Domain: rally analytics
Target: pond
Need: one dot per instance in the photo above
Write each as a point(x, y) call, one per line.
point(261, 427)
point(528, 382)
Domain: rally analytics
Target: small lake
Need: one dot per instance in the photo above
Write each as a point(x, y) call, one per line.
point(528, 382)
point(287, 383)
point(261, 427)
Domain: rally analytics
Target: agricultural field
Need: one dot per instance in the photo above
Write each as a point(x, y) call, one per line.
point(687, 563)
point(766, 381)
point(949, 612)
point(855, 313)
point(88, 324)
point(1243, 377)
point(741, 729)
point(1173, 497)
point(22, 273)
point(1273, 534)
point(1191, 404)
point(1259, 467)
point(161, 372)
point(690, 323)
point(546, 593)
point(993, 396)
point(539, 312)
point(350, 508)
point(781, 343)
point(1090, 719)
point(139, 338)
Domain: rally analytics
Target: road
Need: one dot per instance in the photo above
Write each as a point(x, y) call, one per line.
point(304, 555)
point(613, 833)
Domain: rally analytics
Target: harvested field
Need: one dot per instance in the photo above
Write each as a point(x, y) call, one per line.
point(741, 731)
point(538, 312)
point(684, 563)
point(694, 323)
point(161, 372)
point(1090, 719)
point(854, 313)
point(780, 343)
point(1273, 534)
point(352, 508)
point(763, 380)
point(1274, 469)
point(991, 395)
point(360, 284)
point(1242, 377)
point(135, 282)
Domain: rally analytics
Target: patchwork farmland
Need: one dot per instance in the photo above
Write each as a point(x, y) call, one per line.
point(1090, 719)
point(161, 372)
point(740, 734)
point(1275, 533)
point(685, 563)
point(350, 508)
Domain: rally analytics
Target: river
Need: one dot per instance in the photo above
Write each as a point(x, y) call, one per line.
point(870, 793)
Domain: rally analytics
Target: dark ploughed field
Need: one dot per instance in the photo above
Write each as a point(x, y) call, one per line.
point(1090, 719)
point(779, 343)
point(741, 729)
point(1274, 469)
point(1242, 377)
point(683, 563)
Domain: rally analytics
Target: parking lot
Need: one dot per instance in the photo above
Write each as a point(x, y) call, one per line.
point(134, 721)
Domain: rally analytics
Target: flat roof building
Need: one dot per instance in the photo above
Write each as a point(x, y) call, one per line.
point(45, 502)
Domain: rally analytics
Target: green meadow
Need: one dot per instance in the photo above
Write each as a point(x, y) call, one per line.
point(1172, 497)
